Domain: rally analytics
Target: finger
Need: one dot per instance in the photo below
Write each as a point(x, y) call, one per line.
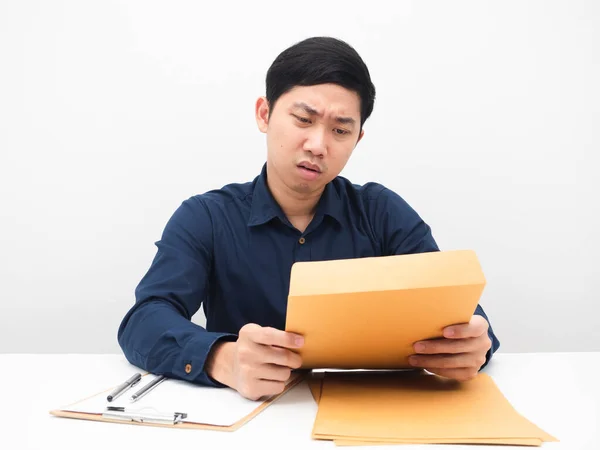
point(258, 389)
point(475, 328)
point(462, 374)
point(457, 361)
point(272, 372)
point(451, 346)
point(270, 387)
point(266, 354)
point(274, 337)
point(284, 357)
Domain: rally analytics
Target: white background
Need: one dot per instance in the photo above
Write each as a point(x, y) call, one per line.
point(112, 113)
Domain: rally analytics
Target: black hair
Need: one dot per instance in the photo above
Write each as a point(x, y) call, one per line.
point(320, 60)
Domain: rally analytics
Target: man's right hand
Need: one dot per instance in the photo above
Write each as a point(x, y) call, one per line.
point(258, 364)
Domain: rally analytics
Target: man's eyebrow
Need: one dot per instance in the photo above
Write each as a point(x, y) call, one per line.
point(345, 120)
point(310, 110)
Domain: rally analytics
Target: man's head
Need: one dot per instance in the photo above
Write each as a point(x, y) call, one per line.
point(318, 96)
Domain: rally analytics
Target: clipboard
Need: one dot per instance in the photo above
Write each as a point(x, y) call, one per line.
point(153, 410)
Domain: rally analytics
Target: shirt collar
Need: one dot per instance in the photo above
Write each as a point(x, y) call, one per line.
point(264, 207)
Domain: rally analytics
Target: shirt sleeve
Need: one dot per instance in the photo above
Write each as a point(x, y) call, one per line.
point(402, 231)
point(157, 334)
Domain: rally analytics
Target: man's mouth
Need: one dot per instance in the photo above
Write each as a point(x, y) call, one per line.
point(310, 167)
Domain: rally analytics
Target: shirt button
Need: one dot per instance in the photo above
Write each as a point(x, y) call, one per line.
point(302, 240)
point(188, 368)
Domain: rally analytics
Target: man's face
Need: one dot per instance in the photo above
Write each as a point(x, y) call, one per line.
point(311, 133)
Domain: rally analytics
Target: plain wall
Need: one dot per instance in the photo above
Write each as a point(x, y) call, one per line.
point(112, 113)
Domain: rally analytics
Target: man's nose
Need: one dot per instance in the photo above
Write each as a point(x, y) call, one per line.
point(316, 142)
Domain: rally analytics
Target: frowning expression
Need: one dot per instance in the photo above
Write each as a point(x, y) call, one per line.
point(311, 133)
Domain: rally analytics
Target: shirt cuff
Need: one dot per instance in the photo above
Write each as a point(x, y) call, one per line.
point(190, 365)
point(495, 344)
point(490, 352)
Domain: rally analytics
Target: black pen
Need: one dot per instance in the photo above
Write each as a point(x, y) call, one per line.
point(135, 379)
point(143, 391)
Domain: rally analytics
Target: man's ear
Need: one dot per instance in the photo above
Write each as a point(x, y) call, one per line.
point(262, 114)
point(360, 136)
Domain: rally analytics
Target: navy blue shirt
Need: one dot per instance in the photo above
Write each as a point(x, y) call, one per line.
point(230, 251)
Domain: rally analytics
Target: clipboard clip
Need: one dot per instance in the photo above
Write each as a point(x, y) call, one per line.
point(143, 415)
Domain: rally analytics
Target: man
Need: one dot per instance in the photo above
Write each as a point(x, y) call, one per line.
point(231, 250)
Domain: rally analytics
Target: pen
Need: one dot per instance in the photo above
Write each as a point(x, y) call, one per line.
point(135, 379)
point(143, 391)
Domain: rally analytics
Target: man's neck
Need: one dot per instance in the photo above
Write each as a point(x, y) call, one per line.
point(296, 206)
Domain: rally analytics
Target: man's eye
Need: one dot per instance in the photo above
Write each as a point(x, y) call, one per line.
point(341, 132)
point(302, 119)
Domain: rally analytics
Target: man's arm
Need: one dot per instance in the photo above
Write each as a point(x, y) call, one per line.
point(157, 334)
point(403, 231)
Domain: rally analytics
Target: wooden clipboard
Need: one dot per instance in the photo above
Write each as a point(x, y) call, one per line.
point(65, 412)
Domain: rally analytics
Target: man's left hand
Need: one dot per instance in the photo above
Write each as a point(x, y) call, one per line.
point(459, 354)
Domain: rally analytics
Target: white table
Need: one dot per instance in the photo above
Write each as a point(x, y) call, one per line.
point(560, 392)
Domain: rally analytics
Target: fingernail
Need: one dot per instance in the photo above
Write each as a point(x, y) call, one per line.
point(419, 347)
point(449, 332)
point(299, 341)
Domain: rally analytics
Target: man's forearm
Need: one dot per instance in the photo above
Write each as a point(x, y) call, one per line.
point(156, 337)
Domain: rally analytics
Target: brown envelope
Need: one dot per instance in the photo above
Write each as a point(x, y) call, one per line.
point(366, 313)
point(522, 442)
point(415, 407)
point(315, 383)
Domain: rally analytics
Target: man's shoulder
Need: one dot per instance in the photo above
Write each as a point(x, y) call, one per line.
point(368, 191)
point(225, 195)
point(373, 198)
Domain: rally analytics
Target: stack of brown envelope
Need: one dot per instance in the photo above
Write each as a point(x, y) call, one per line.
point(366, 314)
point(415, 407)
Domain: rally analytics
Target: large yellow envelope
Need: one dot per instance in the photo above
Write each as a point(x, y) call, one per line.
point(508, 441)
point(415, 407)
point(315, 383)
point(367, 313)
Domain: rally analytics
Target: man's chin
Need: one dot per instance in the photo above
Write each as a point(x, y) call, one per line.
point(304, 188)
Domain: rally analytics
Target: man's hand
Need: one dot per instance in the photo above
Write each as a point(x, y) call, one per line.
point(459, 354)
point(259, 363)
